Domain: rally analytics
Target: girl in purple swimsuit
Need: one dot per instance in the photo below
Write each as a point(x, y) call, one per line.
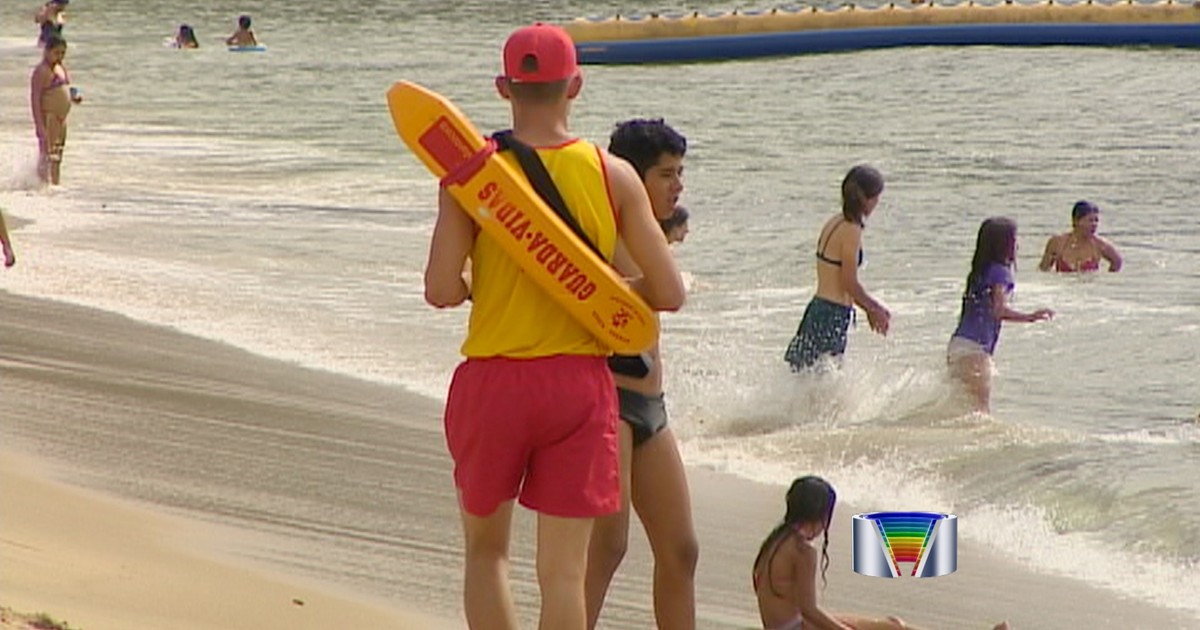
point(984, 307)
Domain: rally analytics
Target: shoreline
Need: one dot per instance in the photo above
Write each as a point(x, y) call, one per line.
point(150, 400)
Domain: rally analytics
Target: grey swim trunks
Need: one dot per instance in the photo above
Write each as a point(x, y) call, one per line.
point(646, 415)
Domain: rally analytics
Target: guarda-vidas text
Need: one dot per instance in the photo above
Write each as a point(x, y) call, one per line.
point(547, 254)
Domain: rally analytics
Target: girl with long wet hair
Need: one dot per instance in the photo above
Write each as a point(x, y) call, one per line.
point(785, 571)
point(984, 307)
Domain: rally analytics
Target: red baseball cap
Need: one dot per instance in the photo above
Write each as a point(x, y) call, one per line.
point(542, 53)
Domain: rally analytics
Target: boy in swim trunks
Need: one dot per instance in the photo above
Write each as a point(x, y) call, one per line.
point(652, 471)
point(51, 97)
point(531, 413)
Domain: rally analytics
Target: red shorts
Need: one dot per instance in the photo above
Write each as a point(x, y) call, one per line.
point(543, 429)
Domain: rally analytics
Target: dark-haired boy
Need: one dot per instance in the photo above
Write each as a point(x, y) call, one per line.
point(652, 471)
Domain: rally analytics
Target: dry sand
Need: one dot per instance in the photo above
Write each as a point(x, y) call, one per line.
point(95, 563)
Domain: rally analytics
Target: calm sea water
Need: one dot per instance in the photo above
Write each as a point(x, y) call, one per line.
point(264, 200)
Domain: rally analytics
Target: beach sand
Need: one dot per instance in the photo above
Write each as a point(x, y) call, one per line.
point(94, 563)
point(155, 480)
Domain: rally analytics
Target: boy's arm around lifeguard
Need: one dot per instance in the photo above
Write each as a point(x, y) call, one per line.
point(660, 283)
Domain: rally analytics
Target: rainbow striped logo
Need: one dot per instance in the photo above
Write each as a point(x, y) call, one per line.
point(887, 543)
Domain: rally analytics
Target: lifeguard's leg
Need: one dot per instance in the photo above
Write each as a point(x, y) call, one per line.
point(486, 595)
point(562, 550)
point(610, 536)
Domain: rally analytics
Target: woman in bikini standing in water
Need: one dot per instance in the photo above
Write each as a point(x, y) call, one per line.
point(1080, 249)
point(51, 96)
point(826, 321)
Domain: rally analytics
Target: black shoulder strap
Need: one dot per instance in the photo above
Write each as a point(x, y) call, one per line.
point(637, 366)
point(540, 179)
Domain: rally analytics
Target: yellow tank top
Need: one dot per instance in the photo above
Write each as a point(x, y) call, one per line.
point(511, 316)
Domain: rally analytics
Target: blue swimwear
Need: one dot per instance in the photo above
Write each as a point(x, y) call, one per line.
point(976, 321)
point(823, 331)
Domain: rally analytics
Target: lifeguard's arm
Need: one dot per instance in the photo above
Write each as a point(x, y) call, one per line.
point(231, 39)
point(1050, 255)
point(1110, 253)
point(1002, 312)
point(659, 283)
point(806, 568)
point(453, 238)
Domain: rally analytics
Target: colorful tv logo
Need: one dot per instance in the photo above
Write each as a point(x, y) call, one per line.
point(883, 541)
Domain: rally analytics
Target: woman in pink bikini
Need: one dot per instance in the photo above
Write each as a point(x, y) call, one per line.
point(1080, 249)
point(50, 97)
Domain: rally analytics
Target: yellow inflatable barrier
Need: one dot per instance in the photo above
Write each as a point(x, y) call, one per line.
point(500, 199)
point(704, 36)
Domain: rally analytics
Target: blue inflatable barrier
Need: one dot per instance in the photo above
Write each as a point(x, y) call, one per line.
point(706, 37)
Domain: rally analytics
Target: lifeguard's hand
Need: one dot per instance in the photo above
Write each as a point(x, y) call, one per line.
point(10, 258)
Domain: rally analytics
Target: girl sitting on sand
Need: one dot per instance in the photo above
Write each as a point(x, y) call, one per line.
point(785, 571)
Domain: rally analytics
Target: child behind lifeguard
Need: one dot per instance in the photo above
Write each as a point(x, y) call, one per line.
point(675, 227)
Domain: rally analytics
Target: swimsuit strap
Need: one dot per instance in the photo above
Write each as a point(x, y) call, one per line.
point(821, 247)
point(821, 251)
